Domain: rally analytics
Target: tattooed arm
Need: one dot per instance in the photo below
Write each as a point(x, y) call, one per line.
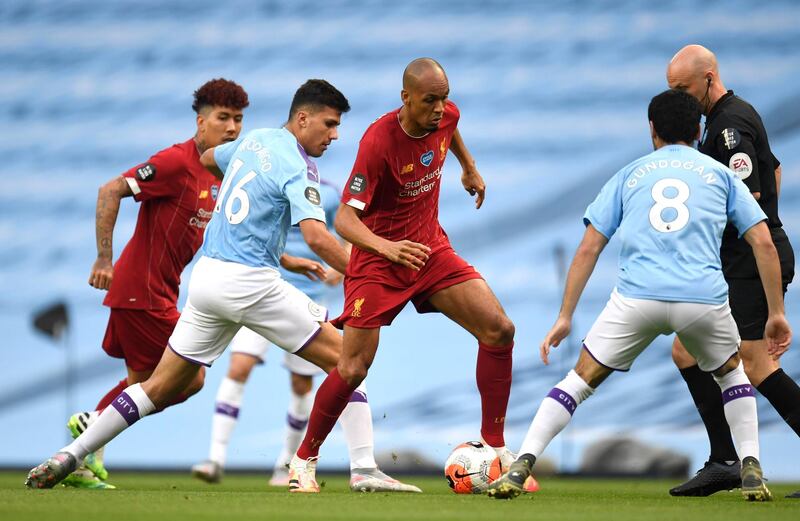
point(108, 199)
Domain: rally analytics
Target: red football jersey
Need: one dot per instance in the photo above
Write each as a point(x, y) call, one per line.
point(178, 197)
point(396, 179)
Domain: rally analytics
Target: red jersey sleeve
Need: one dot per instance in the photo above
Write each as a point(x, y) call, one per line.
point(161, 176)
point(366, 174)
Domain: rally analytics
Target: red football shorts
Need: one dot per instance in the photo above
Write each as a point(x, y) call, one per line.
point(139, 336)
point(374, 297)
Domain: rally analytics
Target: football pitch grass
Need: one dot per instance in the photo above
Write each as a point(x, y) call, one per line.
point(175, 497)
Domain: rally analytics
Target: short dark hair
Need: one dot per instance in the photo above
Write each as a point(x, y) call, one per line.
point(316, 94)
point(675, 115)
point(222, 93)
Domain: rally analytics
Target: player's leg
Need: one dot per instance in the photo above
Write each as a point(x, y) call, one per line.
point(710, 334)
point(199, 338)
point(473, 306)
point(621, 332)
point(365, 476)
point(739, 400)
point(554, 413)
point(721, 470)
point(749, 308)
point(172, 375)
point(226, 415)
point(138, 336)
point(300, 401)
point(771, 381)
point(346, 366)
point(357, 353)
point(337, 400)
point(248, 349)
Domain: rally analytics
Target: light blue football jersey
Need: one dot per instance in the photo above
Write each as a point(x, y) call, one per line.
point(670, 208)
point(270, 185)
point(297, 246)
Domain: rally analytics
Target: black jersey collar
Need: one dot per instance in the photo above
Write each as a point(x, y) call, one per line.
point(724, 99)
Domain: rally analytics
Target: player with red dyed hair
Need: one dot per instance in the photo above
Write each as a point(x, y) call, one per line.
point(177, 195)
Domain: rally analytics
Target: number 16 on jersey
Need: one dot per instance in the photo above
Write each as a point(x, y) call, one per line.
point(238, 193)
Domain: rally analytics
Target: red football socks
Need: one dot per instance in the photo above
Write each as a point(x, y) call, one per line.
point(332, 397)
point(493, 374)
point(112, 394)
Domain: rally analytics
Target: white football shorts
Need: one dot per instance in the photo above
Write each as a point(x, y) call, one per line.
point(248, 342)
point(225, 296)
point(628, 325)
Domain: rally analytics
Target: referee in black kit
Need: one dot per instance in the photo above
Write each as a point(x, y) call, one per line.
point(735, 136)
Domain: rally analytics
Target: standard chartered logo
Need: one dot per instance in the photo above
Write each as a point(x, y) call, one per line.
point(421, 185)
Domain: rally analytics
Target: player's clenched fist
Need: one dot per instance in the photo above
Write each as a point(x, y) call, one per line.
point(102, 273)
point(406, 253)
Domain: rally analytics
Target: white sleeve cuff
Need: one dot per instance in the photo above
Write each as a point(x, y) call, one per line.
point(134, 185)
point(355, 203)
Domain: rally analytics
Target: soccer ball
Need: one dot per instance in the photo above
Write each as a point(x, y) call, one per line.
point(471, 467)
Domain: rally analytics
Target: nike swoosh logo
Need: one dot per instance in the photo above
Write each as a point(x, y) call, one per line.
point(460, 475)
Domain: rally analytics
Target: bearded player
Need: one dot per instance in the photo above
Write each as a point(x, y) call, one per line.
point(390, 213)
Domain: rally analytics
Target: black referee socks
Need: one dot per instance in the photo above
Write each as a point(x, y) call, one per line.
point(784, 394)
point(707, 398)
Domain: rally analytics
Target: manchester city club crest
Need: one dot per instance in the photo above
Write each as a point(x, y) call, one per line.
point(214, 192)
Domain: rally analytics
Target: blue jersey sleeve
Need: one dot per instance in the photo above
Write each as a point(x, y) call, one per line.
point(224, 152)
point(305, 200)
point(743, 210)
point(605, 212)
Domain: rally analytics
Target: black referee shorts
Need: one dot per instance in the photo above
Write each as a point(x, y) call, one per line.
point(747, 298)
point(749, 307)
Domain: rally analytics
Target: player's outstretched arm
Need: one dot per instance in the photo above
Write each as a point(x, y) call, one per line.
point(108, 198)
point(406, 253)
point(778, 333)
point(580, 270)
point(311, 269)
point(210, 164)
point(324, 244)
point(470, 177)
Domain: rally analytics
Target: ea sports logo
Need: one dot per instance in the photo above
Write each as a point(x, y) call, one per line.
point(741, 164)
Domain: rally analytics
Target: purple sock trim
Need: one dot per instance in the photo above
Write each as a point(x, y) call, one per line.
point(310, 339)
point(358, 397)
point(564, 398)
point(126, 407)
point(187, 358)
point(737, 391)
point(227, 409)
point(296, 423)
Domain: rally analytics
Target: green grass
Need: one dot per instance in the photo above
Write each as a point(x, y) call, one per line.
point(175, 497)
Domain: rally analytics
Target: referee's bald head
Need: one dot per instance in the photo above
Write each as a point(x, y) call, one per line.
point(694, 70)
point(695, 60)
